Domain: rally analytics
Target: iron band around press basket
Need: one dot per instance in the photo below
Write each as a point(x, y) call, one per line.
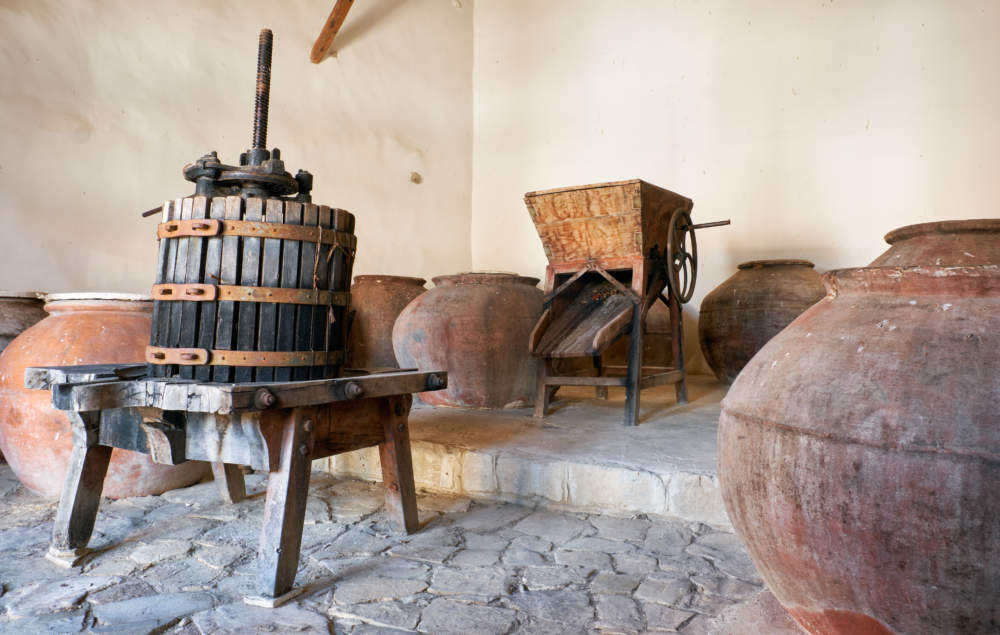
point(209, 227)
point(198, 292)
point(204, 357)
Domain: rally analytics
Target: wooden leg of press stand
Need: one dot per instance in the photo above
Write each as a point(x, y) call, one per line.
point(677, 346)
point(397, 466)
point(229, 480)
point(284, 512)
point(600, 391)
point(634, 370)
point(81, 495)
point(543, 393)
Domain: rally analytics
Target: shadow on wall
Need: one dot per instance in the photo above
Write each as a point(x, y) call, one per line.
point(362, 19)
point(694, 360)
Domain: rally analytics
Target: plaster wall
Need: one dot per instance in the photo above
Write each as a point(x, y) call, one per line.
point(102, 104)
point(815, 126)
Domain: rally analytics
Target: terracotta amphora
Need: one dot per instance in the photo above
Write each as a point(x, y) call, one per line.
point(18, 311)
point(376, 302)
point(475, 326)
point(859, 450)
point(740, 315)
point(36, 439)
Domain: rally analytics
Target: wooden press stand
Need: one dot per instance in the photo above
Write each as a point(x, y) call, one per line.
point(562, 334)
point(279, 427)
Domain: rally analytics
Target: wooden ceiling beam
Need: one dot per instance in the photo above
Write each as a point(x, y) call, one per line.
point(330, 29)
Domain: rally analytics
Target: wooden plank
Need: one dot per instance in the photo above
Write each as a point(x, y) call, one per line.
point(294, 394)
point(234, 439)
point(229, 481)
point(670, 377)
point(594, 308)
point(343, 426)
point(213, 275)
point(290, 280)
point(285, 507)
point(81, 495)
point(122, 428)
point(584, 380)
point(677, 345)
point(600, 392)
point(612, 330)
point(164, 266)
point(542, 394)
point(304, 314)
point(397, 465)
point(179, 274)
point(193, 274)
point(270, 276)
point(218, 398)
point(246, 322)
point(539, 330)
point(329, 31)
point(44, 377)
point(632, 377)
point(321, 315)
point(225, 327)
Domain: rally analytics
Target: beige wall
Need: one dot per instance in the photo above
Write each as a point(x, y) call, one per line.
point(816, 126)
point(103, 102)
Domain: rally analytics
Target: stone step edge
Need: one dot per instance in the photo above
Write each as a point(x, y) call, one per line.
point(565, 485)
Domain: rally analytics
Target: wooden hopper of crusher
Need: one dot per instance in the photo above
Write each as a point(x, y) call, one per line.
point(613, 250)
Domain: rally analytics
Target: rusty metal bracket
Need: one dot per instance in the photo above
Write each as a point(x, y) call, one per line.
point(200, 228)
point(196, 292)
point(189, 292)
point(180, 356)
point(204, 357)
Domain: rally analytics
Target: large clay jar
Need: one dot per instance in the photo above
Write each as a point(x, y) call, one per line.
point(859, 450)
point(475, 326)
point(740, 315)
point(18, 311)
point(36, 438)
point(377, 301)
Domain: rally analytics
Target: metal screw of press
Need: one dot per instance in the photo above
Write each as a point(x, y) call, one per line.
point(262, 97)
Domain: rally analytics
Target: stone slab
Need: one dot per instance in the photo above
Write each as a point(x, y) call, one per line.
point(151, 609)
point(579, 457)
point(447, 616)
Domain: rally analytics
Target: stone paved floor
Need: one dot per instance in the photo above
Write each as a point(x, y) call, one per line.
point(182, 562)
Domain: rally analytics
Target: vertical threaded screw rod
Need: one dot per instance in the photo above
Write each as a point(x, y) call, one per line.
point(263, 89)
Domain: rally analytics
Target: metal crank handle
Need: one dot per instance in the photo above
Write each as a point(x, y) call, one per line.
point(718, 223)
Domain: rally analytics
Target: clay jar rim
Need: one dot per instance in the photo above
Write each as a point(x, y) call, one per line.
point(22, 295)
point(383, 278)
point(483, 277)
point(786, 262)
point(954, 282)
point(122, 302)
point(969, 226)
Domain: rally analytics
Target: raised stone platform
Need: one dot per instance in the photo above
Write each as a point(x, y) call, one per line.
point(580, 457)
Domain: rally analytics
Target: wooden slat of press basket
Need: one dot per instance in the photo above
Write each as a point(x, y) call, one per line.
point(603, 220)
